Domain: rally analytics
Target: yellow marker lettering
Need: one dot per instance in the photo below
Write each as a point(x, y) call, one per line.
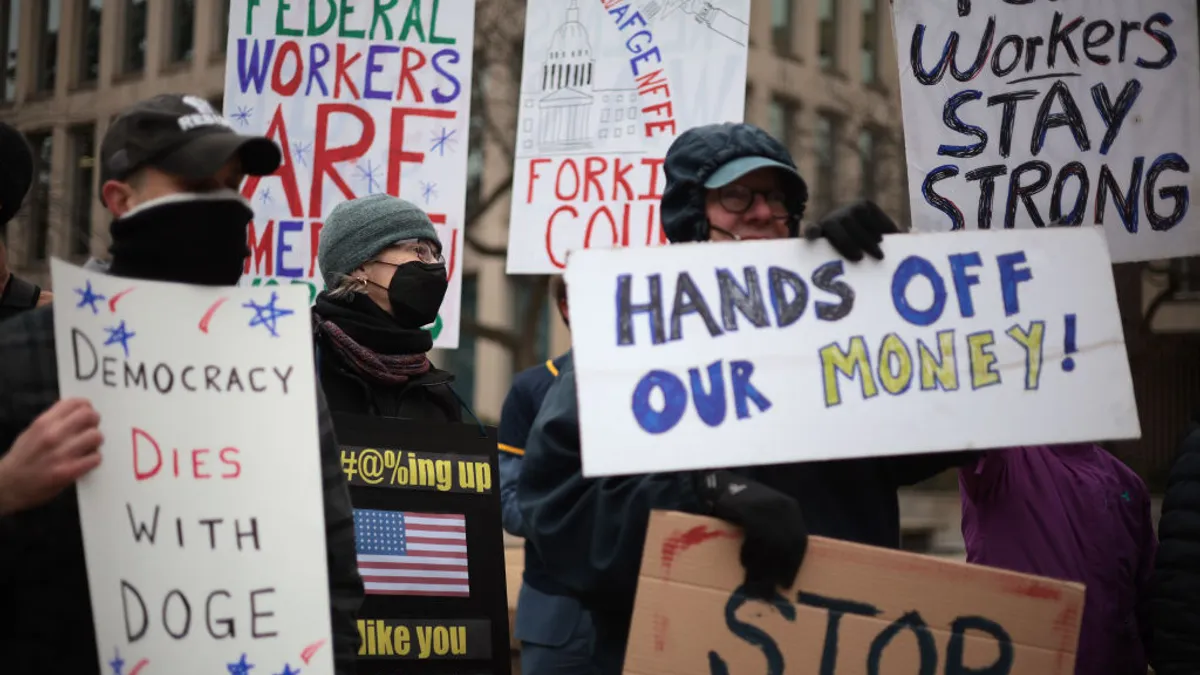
point(458, 640)
point(982, 359)
point(362, 637)
point(483, 476)
point(894, 380)
point(401, 641)
point(441, 640)
point(425, 473)
point(1032, 342)
point(848, 363)
point(938, 371)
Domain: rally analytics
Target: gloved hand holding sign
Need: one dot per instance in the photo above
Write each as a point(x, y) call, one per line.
point(855, 229)
point(775, 535)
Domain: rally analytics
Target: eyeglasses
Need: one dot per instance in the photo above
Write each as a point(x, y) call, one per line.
point(426, 251)
point(738, 199)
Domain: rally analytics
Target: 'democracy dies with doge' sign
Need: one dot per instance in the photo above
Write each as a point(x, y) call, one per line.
point(203, 527)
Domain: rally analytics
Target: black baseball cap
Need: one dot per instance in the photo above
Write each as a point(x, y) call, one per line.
point(182, 135)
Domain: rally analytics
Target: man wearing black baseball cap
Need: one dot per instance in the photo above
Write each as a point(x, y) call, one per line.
point(16, 175)
point(170, 170)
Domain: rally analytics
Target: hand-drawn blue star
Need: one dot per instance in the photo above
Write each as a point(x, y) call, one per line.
point(428, 191)
point(243, 115)
point(267, 315)
point(287, 670)
point(300, 149)
point(89, 298)
point(265, 196)
point(443, 141)
point(118, 663)
point(368, 174)
point(240, 668)
point(119, 335)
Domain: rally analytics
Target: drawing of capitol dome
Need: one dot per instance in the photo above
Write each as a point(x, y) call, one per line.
point(567, 78)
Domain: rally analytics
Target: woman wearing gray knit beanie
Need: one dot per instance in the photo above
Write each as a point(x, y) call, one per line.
point(383, 266)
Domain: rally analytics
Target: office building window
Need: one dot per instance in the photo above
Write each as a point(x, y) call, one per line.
point(868, 158)
point(475, 150)
point(221, 27)
point(10, 39)
point(781, 26)
point(524, 293)
point(83, 159)
point(89, 30)
point(183, 24)
point(869, 59)
point(827, 46)
point(825, 142)
point(134, 43)
point(461, 361)
point(49, 18)
point(781, 121)
point(38, 199)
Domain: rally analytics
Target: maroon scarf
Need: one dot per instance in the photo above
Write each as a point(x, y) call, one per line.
point(384, 368)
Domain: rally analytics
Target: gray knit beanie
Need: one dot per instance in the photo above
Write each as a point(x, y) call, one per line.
point(357, 230)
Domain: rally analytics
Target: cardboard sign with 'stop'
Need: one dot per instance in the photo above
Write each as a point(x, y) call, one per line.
point(854, 610)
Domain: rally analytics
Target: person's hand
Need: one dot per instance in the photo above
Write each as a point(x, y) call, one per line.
point(855, 229)
point(45, 299)
point(59, 447)
point(775, 536)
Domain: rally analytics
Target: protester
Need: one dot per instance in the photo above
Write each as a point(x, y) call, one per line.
point(169, 175)
point(1072, 512)
point(16, 175)
point(724, 181)
point(1175, 588)
point(554, 629)
point(381, 257)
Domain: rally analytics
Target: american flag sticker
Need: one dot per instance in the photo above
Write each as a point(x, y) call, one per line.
point(404, 553)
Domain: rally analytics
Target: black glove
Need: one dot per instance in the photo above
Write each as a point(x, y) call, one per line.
point(775, 536)
point(855, 229)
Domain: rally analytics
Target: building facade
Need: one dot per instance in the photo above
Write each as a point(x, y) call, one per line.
point(823, 78)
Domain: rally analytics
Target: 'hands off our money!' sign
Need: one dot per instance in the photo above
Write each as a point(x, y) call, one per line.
point(713, 355)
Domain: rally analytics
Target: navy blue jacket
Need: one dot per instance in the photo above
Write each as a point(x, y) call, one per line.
point(547, 613)
point(590, 532)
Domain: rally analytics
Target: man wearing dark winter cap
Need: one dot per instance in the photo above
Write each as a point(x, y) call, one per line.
point(724, 182)
point(170, 167)
point(16, 175)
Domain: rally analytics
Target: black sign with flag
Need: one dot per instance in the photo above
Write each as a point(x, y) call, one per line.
point(430, 546)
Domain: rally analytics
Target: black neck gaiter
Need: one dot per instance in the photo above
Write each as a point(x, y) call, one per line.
point(191, 238)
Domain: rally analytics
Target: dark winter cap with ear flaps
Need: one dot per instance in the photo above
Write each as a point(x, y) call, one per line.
point(16, 171)
point(698, 153)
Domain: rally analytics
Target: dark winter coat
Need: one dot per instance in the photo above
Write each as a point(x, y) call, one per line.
point(1175, 590)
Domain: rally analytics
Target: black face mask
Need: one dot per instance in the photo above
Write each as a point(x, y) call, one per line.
point(416, 292)
point(188, 238)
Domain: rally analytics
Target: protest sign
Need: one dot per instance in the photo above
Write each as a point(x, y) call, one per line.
point(395, 79)
point(430, 545)
point(735, 354)
point(1020, 114)
point(854, 610)
point(607, 86)
point(203, 527)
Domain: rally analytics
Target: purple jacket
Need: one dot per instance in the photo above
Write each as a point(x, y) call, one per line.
point(1076, 513)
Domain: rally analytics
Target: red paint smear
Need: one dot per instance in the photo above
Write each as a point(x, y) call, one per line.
point(140, 664)
point(209, 315)
point(1068, 639)
point(308, 652)
point(660, 632)
point(1035, 590)
point(112, 304)
point(682, 541)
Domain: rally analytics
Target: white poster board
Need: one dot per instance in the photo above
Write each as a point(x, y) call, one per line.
point(1018, 114)
point(737, 354)
point(204, 525)
point(362, 99)
point(606, 87)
